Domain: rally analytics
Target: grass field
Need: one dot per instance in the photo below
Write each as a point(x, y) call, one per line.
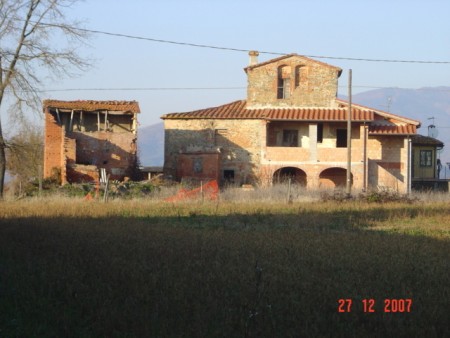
point(73, 268)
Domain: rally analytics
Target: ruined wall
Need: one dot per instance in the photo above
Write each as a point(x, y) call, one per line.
point(311, 84)
point(238, 141)
point(77, 150)
point(53, 146)
point(116, 152)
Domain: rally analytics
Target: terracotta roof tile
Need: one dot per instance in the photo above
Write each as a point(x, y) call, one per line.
point(90, 105)
point(392, 130)
point(238, 110)
point(383, 113)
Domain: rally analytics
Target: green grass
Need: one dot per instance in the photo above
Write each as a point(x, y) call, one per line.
point(146, 269)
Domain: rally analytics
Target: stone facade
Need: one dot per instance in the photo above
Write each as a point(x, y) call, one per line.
point(305, 82)
point(292, 126)
point(83, 136)
point(238, 143)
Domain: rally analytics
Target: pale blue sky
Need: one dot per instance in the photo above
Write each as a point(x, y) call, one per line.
point(378, 29)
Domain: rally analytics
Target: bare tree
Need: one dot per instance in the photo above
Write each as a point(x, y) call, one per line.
point(37, 42)
point(25, 151)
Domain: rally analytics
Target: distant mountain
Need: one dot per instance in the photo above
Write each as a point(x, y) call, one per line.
point(151, 145)
point(419, 104)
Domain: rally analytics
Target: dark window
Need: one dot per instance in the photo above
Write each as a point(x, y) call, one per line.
point(290, 138)
point(198, 165)
point(228, 176)
point(341, 138)
point(284, 83)
point(426, 158)
point(319, 132)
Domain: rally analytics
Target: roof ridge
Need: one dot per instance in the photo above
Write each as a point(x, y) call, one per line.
point(288, 56)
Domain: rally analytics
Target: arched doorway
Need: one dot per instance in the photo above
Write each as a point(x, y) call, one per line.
point(333, 178)
point(296, 175)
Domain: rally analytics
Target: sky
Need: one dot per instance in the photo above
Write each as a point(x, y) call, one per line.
point(366, 29)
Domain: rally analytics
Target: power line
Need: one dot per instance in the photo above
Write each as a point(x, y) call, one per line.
point(188, 44)
point(140, 89)
point(211, 88)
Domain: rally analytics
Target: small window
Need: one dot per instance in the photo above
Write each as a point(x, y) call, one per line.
point(228, 176)
point(426, 158)
point(284, 82)
point(319, 132)
point(341, 138)
point(198, 165)
point(290, 138)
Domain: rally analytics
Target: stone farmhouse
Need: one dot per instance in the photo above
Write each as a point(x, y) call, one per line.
point(82, 137)
point(291, 125)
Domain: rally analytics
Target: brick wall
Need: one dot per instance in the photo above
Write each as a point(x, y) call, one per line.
point(53, 145)
point(200, 166)
point(388, 158)
point(78, 155)
point(116, 152)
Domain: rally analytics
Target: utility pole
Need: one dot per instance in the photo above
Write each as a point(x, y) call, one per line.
point(349, 137)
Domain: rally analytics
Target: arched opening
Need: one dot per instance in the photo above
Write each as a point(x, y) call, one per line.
point(333, 178)
point(284, 82)
point(283, 175)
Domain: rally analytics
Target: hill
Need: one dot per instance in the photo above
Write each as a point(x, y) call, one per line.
point(151, 145)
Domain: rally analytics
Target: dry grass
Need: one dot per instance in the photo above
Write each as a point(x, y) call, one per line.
point(228, 268)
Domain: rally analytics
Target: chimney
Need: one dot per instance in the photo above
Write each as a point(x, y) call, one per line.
point(253, 57)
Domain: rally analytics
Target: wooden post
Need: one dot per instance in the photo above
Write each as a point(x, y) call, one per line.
point(71, 120)
point(106, 120)
point(57, 115)
point(98, 121)
point(105, 196)
point(349, 136)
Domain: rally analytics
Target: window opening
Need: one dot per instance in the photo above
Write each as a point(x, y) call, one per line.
point(198, 165)
point(319, 132)
point(290, 138)
point(284, 83)
point(228, 175)
point(341, 138)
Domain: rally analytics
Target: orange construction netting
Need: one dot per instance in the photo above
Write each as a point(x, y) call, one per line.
point(209, 191)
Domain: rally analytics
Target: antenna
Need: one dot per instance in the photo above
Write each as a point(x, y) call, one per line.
point(389, 101)
point(432, 131)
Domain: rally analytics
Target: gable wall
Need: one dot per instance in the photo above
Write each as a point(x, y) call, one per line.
point(317, 87)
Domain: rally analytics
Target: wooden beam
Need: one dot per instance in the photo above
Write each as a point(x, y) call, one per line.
point(71, 121)
point(57, 115)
